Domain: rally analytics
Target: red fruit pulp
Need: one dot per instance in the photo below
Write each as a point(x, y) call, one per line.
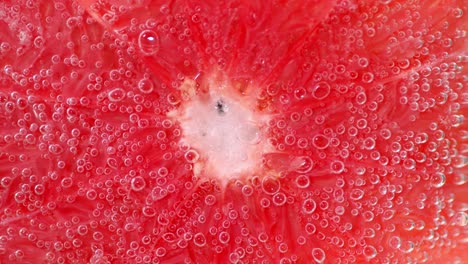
point(233, 131)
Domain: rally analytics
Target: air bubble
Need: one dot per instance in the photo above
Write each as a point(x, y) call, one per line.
point(247, 190)
point(447, 42)
point(172, 99)
point(210, 199)
point(234, 257)
point(309, 206)
point(145, 86)
point(19, 254)
point(457, 12)
point(302, 164)
point(421, 138)
point(356, 194)
point(337, 167)
point(361, 98)
point(438, 180)
point(5, 47)
point(369, 252)
point(116, 95)
point(91, 194)
point(361, 123)
point(270, 185)
point(407, 247)
point(265, 203)
point(302, 181)
point(460, 179)
point(279, 199)
point(369, 143)
point(5, 181)
point(394, 242)
point(409, 164)
point(199, 240)
point(340, 210)
point(368, 216)
point(148, 211)
point(385, 133)
point(300, 93)
point(224, 237)
point(320, 141)
point(67, 182)
point(20, 197)
point(55, 149)
point(148, 41)
point(82, 230)
point(395, 147)
point(39, 42)
point(161, 252)
point(310, 228)
point(248, 133)
point(456, 120)
point(319, 255)
point(114, 75)
point(192, 156)
point(367, 77)
point(363, 62)
point(321, 90)
point(289, 140)
point(138, 183)
point(39, 189)
point(460, 219)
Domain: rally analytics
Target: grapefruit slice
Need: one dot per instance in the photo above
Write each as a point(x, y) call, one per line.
point(233, 131)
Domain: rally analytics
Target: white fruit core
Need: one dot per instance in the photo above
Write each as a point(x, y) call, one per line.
point(222, 127)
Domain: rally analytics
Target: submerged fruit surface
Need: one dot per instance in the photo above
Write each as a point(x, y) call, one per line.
point(233, 131)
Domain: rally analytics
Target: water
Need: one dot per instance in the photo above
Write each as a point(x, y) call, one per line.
point(226, 133)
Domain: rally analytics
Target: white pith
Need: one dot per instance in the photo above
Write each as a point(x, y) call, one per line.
point(224, 127)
